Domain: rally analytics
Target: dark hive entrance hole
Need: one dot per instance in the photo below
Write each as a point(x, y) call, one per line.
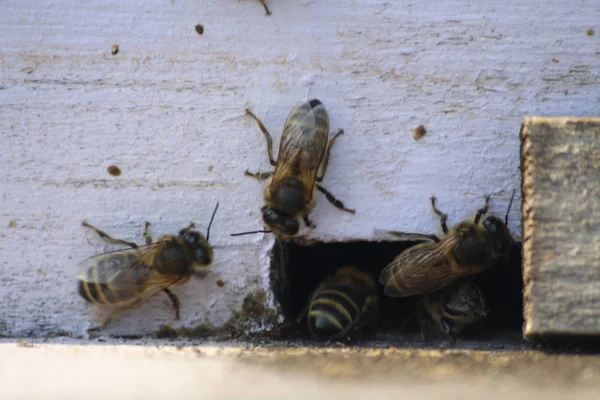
point(298, 268)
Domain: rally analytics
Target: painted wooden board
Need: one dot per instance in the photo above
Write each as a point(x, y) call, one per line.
point(561, 226)
point(168, 109)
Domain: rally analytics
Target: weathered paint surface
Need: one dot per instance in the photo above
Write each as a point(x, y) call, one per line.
point(168, 110)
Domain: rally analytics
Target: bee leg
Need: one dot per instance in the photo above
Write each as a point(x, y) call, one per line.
point(287, 329)
point(174, 300)
point(333, 200)
point(443, 216)
point(104, 236)
point(448, 329)
point(261, 176)
point(266, 133)
point(302, 318)
point(369, 320)
point(308, 222)
point(331, 341)
point(94, 329)
point(187, 229)
point(424, 325)
point(265, 6)
point(101, 326)
point(147, 235)
point(483, 210)
point(323, 167)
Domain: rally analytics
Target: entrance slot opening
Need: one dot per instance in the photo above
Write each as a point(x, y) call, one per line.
point(298, 268)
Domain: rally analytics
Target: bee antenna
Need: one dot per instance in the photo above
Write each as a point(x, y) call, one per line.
point(249, 233)
point(212, 218)
point(509, 205)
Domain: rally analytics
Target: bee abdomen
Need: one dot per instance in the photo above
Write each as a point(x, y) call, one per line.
point(103, 285)
point(333, 312)
point(105, 295)
point(310, 115)
point(98, 293)
point(315, 103)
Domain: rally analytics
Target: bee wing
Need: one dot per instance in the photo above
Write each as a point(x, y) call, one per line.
point(154, 282)
point(125, 273)
point(408, 237)
point(103, 268)
point(302, 145)
point(420, 269)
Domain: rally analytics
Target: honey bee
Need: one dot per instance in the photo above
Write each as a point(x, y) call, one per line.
point(344, 301)
point(123, 279)
point(452, 310)
point(468, 249)
point(301, 164)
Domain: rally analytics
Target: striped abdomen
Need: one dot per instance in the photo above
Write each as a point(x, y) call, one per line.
point(105, 284)
point(310, 115)
point(339, 304)
point(305, 135)
point(102, 294)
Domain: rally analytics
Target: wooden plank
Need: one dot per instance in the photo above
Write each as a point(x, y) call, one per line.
point(561, 226)
point(214, 371)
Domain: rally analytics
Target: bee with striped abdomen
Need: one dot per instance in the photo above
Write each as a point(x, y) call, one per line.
point(452, 310)
point(301, 164)
point(468, 249)
point(344, 301)
point(123, 279)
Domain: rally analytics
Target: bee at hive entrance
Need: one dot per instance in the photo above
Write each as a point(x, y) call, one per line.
point(298, 269)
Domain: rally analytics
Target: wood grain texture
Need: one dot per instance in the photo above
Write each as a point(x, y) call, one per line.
point(561, 226)
point(168, 110)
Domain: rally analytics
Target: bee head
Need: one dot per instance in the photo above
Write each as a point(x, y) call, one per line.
point(199, 250)
point(281, 224)
point(494, 224)
point(501, 238)
point(289, 196)
point(465, 301)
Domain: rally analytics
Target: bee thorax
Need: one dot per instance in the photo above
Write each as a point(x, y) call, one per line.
point(173, 261)
point(289, 196)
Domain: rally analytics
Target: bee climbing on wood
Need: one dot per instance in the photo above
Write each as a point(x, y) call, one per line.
point(124, 279)
point(290, 193)
point(467, 249)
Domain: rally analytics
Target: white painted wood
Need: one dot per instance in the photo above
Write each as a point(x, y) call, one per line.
point(169, 110)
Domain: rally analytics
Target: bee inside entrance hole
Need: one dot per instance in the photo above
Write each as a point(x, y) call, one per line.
point(297, 269)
